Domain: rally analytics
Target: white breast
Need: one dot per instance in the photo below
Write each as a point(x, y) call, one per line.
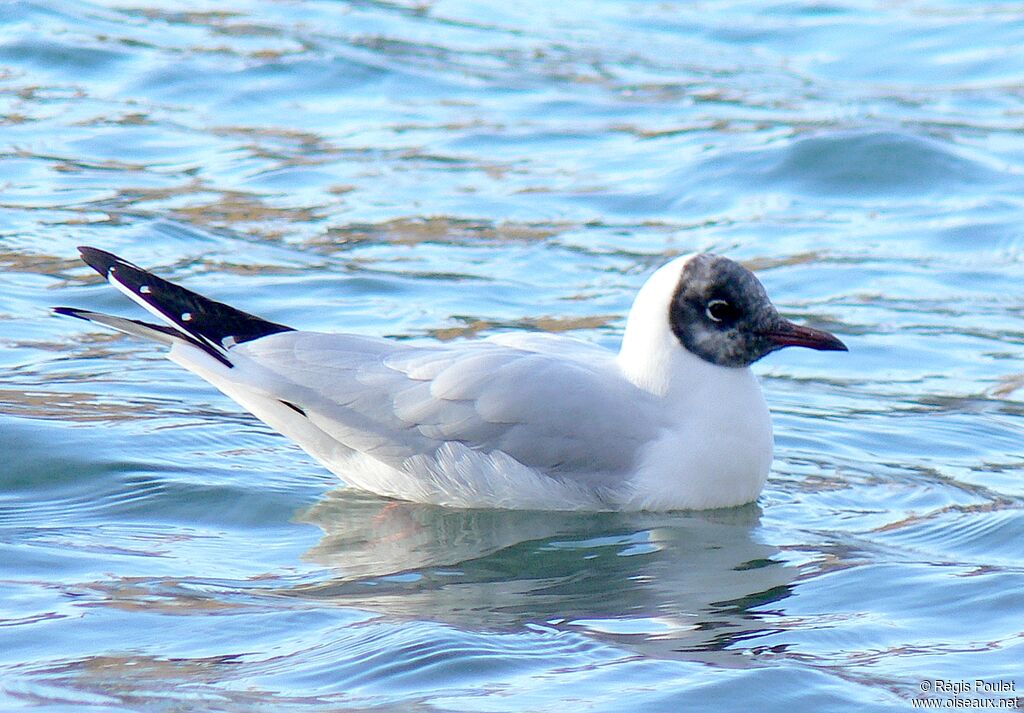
point(716, 450)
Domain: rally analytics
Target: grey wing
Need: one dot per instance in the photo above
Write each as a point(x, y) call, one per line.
point(565, 418)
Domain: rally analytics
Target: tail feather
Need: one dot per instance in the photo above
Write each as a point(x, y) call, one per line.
point(212, 326)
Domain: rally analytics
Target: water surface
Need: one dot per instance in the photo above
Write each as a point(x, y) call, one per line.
point(449, 170)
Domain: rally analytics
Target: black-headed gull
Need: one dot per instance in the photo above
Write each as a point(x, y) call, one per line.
point(675, 420)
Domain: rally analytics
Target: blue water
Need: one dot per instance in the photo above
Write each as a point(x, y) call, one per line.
point(445, 170)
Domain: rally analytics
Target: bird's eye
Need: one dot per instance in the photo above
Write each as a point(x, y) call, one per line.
point(720, 311)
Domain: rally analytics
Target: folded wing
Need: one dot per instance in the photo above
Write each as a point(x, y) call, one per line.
point(565, 418)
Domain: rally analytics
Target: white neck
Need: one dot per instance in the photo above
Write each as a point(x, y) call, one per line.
point(651, 355)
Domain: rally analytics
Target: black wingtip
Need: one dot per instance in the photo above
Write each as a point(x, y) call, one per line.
point(99, 260)
point(205, 321)
point(69, 312)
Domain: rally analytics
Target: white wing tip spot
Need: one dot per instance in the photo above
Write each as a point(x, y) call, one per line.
point(186, 316)
point(145, 289)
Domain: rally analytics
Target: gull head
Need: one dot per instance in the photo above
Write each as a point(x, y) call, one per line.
point(721, 313)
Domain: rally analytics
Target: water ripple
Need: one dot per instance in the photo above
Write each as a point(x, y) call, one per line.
point(436, 171)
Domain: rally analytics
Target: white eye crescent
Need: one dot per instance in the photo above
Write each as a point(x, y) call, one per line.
point(717, 310)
